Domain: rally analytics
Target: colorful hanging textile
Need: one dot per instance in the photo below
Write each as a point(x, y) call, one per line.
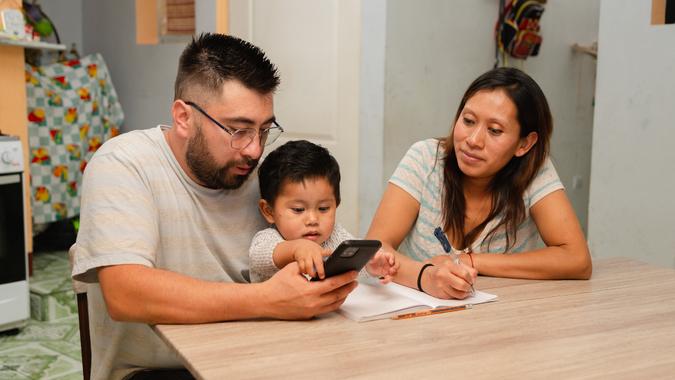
point(72, 110)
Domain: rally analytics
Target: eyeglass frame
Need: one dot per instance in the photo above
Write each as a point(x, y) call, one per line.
point(233, 131)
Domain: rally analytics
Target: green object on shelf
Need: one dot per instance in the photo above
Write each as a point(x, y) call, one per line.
point(44, 27)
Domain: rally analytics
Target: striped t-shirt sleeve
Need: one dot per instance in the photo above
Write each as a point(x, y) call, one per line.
point(414, 168)
point(546, 182)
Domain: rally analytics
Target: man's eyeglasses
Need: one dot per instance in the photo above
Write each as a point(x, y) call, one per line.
point(241, 138)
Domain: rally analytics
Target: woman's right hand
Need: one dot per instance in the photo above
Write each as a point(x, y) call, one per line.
point(446, 280)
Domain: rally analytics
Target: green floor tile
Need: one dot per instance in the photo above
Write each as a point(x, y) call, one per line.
point(48, 347)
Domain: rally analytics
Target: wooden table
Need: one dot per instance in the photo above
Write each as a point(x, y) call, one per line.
point(619, 324)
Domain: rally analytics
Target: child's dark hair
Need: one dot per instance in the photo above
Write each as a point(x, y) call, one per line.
point(297, 161)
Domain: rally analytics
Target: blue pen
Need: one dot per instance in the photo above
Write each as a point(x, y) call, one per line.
point(440, 235)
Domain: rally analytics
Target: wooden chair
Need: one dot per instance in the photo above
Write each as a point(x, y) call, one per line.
point(85, 341)
point(80, 289)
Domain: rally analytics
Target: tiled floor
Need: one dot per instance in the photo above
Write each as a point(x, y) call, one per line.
point(49, 346)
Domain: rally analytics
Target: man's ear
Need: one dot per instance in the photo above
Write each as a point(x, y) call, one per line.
point(526, 143)
point(181, 114)
point(266, 211)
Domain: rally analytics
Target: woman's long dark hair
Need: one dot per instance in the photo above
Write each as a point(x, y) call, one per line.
point(509, 184)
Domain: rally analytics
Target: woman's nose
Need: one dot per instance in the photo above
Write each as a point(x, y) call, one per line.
point(477, 137)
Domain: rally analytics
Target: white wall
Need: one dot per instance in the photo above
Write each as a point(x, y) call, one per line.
point(432, 50)
point(417, 60)
point(632, 211)
point(143, 75)
point(435, 49)
point(371, 109)
point(67, 17)
point(314, 44)
point(316, 47)
point(568, 80)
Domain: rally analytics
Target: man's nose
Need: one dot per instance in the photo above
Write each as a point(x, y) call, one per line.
point(254, 149)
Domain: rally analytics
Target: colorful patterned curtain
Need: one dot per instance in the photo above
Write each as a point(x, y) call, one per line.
point(72, 110)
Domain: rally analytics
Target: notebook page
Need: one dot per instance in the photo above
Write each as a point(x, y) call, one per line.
point(425, 299)
point(373, 301)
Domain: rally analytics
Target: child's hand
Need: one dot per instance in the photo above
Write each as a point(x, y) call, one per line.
point(383, 265)
point(309, 257)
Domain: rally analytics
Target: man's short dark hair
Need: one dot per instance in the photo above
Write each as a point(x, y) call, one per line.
point(295, 162)
point(211, 59)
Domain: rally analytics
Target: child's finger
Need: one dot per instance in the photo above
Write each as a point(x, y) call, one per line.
point(318, 264)
point(385, 279)
point(302, 263)
point(312, 267)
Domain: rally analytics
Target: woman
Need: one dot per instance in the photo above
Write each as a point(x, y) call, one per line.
point(491, 188)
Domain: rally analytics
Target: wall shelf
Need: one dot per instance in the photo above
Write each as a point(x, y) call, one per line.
point(32, 44)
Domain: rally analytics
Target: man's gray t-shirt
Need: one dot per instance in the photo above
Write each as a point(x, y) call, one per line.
point(140, 207)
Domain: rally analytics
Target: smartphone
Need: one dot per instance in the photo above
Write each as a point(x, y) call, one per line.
point(350, 255)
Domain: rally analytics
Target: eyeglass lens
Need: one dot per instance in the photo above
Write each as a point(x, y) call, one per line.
point(243, 137)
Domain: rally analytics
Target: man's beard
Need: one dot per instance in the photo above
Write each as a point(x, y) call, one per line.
point(202, 164)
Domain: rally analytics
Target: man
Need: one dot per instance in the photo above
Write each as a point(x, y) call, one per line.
point(168, 214)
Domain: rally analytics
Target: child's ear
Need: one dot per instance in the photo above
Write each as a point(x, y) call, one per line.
point(266, 211)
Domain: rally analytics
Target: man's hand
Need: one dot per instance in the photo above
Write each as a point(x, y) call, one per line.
point(288, 294)
point(384, 265)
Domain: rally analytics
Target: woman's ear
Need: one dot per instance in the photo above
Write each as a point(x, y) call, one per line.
point(526, 143)
point(266, 211)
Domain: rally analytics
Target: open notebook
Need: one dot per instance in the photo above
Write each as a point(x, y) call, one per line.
point(372, 300)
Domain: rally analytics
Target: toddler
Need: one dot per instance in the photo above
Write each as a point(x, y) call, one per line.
point(300, 192)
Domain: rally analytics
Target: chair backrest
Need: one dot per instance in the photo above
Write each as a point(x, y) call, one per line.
point(85, 340)
point(80, 289)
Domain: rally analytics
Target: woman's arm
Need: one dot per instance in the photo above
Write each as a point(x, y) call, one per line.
point(394, 218)
point(565, 256)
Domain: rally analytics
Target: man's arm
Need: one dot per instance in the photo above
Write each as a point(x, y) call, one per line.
point(136, 293)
